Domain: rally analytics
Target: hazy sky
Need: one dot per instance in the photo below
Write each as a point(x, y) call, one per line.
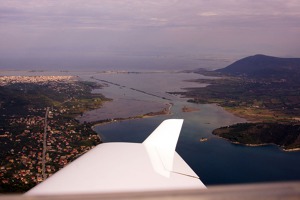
point(33, 32)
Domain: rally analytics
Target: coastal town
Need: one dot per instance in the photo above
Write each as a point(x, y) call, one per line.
point(6, 80)
point(39, 128)
point(23, 127)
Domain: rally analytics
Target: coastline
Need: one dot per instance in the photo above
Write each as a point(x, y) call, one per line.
point(189, 109)
point(259, 145)
point(210, 144)
point(165, 111)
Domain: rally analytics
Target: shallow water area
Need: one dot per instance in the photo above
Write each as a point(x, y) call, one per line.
point(136, 94)
point(215, 160)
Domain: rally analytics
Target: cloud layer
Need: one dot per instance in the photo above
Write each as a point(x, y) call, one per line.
point(71, 28)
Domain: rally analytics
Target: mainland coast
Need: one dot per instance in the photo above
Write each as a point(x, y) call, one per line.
point(25, 103)
point(264, 90)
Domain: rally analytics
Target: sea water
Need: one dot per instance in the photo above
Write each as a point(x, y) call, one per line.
point(216, 161)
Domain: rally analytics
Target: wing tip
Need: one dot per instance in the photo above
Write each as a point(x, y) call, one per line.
point(165, 129)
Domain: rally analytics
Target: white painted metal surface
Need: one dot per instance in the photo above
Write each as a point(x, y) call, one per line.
point(263, 191)
point(161, 145)
point(126, 167)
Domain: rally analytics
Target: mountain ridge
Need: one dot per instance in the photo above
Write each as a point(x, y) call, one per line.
point(263, 66)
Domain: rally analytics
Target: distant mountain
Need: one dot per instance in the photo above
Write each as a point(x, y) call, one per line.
point(262, 66)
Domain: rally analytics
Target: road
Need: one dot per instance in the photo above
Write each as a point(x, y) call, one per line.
point(45, 145)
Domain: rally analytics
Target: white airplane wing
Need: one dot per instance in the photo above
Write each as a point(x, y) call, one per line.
point(126, 167)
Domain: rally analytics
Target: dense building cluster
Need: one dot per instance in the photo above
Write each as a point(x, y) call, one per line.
point(22, 123)
point(23, 160)
point(6, 80)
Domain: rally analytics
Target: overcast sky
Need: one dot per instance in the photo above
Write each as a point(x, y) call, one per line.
point(33, 32)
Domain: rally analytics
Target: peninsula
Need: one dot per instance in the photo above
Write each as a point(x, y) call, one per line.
point(261, 89)
point(287, 136)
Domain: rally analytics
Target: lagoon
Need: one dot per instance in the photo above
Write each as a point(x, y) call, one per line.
point(216, 160)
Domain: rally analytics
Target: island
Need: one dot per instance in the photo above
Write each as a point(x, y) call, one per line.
point(262, 89)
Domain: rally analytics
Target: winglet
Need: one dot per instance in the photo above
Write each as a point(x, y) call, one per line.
point(99, 170)
point(166, 134)
point(162, 142)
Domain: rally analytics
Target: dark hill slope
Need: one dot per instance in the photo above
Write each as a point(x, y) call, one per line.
point(285, 135)
point(262, 66)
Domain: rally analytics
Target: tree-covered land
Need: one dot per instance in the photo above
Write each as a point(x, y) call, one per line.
point(287, 136)
point(259, 88)
point(256, 100)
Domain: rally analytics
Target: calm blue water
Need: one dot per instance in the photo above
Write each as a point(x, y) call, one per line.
point(216, 161)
